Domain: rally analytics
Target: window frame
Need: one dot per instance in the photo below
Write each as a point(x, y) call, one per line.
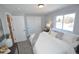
point(63, 22)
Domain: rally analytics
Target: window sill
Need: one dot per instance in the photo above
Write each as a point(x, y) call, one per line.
point(59, 30)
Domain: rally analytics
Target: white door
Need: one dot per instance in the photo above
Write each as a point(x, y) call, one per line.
point(19, 28)
point(33, 24)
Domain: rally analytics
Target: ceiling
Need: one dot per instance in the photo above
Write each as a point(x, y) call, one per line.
point(18, 9)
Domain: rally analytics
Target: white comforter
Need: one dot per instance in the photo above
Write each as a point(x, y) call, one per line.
point(47, 44)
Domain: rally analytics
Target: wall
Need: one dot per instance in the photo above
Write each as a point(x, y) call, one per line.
point(5, 25)
point(3, 13)
point(43, 20)
point(33, 24)
point(1, 27)
point(67, 10)
point(4, 22)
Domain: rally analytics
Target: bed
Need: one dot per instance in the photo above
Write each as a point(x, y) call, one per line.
point(48, 44)
point(54, 43)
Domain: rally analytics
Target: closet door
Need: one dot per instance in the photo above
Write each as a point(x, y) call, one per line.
point(33, 24)
point(19, 30)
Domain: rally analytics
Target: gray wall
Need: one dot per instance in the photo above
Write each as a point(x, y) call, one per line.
point(67, 10)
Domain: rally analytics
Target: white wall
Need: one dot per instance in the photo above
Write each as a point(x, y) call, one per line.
point(3, 13)
point(67, 10)
point(4, 22)
point(33, 24)
point(5, 25)
point(44, 21)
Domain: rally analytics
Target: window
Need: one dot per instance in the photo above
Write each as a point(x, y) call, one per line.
point(65, 22)
point(59, 20)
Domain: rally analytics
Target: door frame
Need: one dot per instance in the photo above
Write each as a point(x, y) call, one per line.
point(9, 19)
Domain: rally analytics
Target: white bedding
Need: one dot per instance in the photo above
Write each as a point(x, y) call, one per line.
point(47, 44)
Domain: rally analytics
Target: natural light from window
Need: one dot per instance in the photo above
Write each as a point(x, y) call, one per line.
point(65, 22)
point(59, 20)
